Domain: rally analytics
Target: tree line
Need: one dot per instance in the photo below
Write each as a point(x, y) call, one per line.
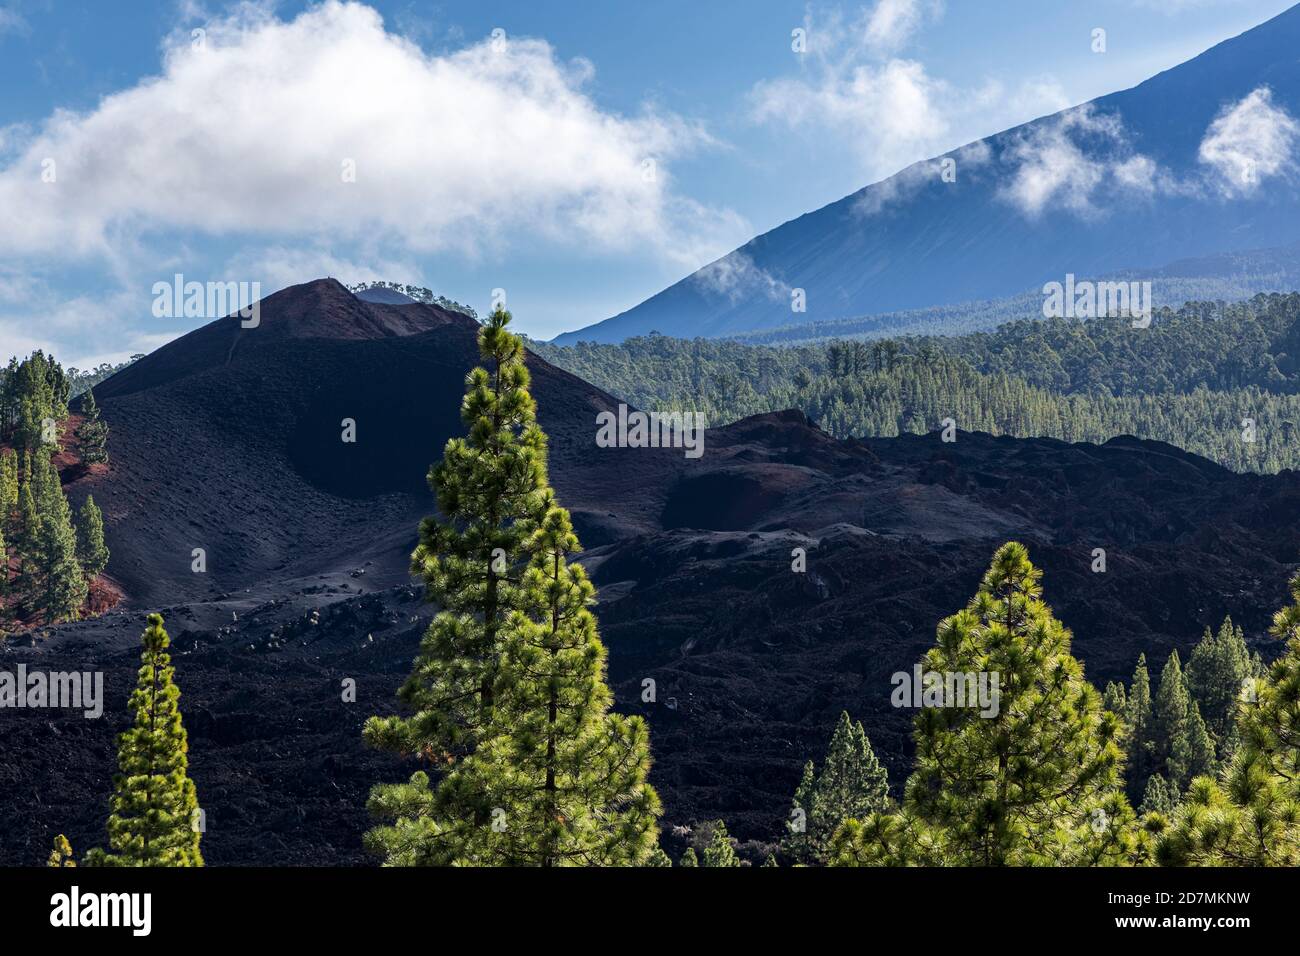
point(1220, 380)
point(47, 559)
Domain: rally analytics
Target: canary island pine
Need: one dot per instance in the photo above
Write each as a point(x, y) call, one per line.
point(1035, 783)
point(154, 811)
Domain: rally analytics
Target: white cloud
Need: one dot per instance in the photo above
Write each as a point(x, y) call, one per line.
point(82, 330)
point(889, 110)
point(1249, 142)
point(968, 161)
point(1140, 173)
point(891, 23)
point(248, 136)
point(1061, 163)
point(737, 276)
point(277, 266)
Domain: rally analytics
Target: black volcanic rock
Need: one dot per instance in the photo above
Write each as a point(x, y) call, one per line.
point(230, 440)
point(692, 558)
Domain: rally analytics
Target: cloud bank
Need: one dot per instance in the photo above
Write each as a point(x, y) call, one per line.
point(277, 150)
point(329, 123)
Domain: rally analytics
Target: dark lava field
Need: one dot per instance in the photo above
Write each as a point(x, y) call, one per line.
point(229, 440)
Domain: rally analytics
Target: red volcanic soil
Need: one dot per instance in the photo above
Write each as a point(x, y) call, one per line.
point(229, 440)
point(104, 594)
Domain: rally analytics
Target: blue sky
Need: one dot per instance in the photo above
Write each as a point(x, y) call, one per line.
point(584, 157)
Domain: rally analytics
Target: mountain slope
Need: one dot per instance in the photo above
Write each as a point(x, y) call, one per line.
point(231, 440)
point(1118, 184)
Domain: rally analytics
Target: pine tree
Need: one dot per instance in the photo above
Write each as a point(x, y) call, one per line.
point(1160, 797)
point(770, 861)
point(852, 782)
point(492, 493)
point(153, 819)
point(1252, 816)
point(1115, 699)
point(1191, 753)
point(566, 776)
point(8, 484)
point(1216, 671)
point(92, 434)
point(689, 858)
point(46, 485)
point(91, 550)
point(28, 528)
point(54, 582)
point(799, 840)
point(1138, 722)
point(851, 785)
point(491, 488)
point(1182, 746)
point(658, 858)
point(719, 851)
point(61, 854)
point(1034, 784)
point(63, 588)
point(1169, 714)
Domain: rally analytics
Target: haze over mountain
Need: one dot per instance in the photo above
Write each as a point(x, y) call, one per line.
point(1195, 162)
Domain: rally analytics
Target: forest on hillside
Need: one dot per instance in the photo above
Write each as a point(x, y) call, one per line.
point(1227, 278)
point(1218, 379)
point(50, 557)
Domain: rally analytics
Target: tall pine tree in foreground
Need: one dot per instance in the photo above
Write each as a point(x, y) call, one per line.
point(491, 492)
point(1251, 815)
point(508, 693)
point(566, 777)
point(1036, 784)
point(154, 808)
